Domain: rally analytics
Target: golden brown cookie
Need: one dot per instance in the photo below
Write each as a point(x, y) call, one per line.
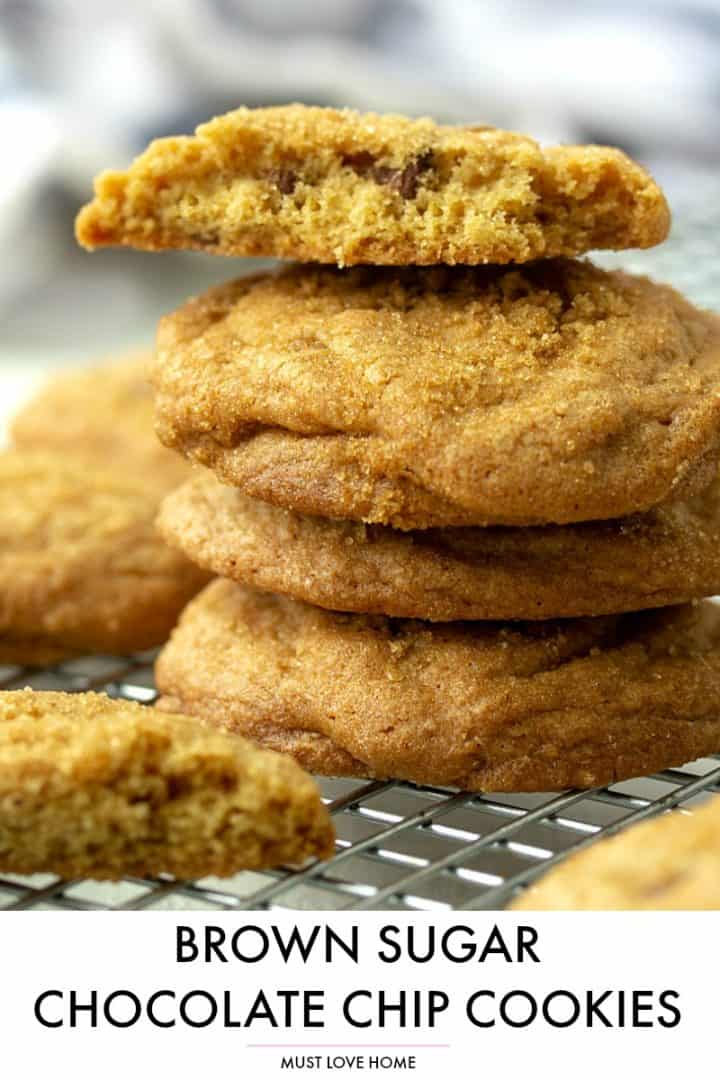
point(671, 863)
point(482, 706)
point(91, 787)
point(416, 398)
point(341, 187)
point(82, 566)
point(104, 413)
point(666, 556)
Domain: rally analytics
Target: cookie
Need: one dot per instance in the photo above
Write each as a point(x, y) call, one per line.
point(670, 863)
point(666, 556)
point(104, 413)
point(475, 705)
point(82, 567)
point(434, 397)
point(91, 787)
point(340, 187)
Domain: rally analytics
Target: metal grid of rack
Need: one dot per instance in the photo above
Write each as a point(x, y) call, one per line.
point(400, 846)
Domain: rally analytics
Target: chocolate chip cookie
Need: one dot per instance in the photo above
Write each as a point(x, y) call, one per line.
point(104, 413)
point(671, 863)
point(417, 398)
point(666, 556)
point(476, 705)
point(82, 567)
point(340, 187)
point(91, 787)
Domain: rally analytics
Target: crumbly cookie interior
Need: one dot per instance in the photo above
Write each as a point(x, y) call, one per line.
point(323, 185)
point(92, 787)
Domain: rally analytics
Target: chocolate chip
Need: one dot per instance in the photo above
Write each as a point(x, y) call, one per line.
point(383, 174)
point(177, 786)
point(285, 180)
point(408, 180)
point(361, 163)
point(364, 164)
point(405, 181)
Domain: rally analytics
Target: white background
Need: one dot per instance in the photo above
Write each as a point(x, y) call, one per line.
point(579, 952)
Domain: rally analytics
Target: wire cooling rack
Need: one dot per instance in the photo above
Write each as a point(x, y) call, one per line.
point(399, 846)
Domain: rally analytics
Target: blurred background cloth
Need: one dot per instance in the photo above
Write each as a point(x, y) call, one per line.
point(84, 85)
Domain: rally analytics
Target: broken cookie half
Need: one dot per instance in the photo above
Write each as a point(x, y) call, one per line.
point(342, 187)
point(92, 787)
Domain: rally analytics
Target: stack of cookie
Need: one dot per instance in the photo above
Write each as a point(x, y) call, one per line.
point(460, 497)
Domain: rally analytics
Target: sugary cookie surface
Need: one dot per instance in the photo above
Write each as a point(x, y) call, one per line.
point(82, 567)
point(552, 393)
